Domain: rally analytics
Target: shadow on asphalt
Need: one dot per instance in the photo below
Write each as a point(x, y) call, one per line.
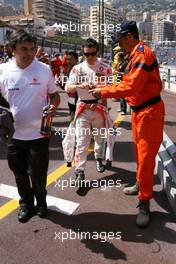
point(121, 149)
point(64, 124)
point(121, 176)
point(126, 125)
point(170, 123)
point(123, 152)
point(62, 109)
point(128, 178)
point(107, 222)
point(56, 151)
point(100, 222)
point(62, 114)
point(162, 200)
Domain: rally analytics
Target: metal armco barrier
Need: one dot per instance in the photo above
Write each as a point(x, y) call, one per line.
point(166, 169)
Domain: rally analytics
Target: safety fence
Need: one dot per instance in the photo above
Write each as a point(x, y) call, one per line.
point(168, 76)
point(166, 169)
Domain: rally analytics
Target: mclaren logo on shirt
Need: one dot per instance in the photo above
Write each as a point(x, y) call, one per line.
point(34, 82)
point(12, 85)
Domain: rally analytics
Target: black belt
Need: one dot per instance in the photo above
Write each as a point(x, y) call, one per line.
point(90, 101)
point(151, 101)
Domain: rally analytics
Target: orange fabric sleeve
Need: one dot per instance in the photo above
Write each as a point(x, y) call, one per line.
point(132, 84)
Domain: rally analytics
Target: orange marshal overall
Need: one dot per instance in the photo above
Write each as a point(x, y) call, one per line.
point(141, 87)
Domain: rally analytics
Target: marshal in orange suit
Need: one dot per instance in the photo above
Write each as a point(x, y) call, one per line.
point(141, 87)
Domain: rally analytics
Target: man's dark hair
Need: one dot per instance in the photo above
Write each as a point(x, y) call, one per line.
point(19, 36)
point(135, 34)
point(74, 54)
point(121, 55)
point(91, 43)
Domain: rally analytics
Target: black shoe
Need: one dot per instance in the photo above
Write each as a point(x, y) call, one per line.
point(99, 166)
point(80, 179)
point(41, 211)
point(69, 164)
point(143, 217)
point(108, 163)
point(24, 214)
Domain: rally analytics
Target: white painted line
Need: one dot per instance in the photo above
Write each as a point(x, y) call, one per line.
point(57, 204)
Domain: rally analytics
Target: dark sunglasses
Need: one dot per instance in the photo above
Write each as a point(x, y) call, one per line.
point(87, 54)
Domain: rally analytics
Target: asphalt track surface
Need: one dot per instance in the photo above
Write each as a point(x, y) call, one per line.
point(103, 211)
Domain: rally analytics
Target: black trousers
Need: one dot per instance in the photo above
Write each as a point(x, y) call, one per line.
point(123, 105)
point(29, 162)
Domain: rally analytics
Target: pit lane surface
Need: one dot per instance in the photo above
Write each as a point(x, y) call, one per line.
point(103, 211)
